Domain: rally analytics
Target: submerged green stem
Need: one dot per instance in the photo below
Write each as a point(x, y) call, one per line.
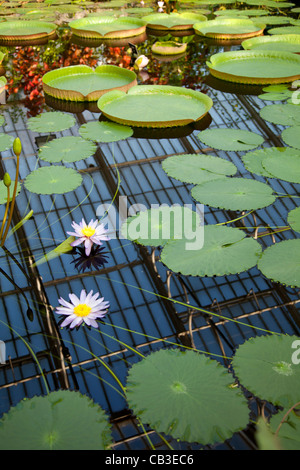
point(5, 214)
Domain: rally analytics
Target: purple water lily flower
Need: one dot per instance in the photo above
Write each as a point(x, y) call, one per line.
point(84, 309)
point(88, 234)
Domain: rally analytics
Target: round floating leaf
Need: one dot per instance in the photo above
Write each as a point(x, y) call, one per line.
point(225, 251)
point(2, 119)
point(61, 420)
point(281, 262)
point(276, 88)
point(275, 96)
point(293, 219)
point(289, 429)
point(53, 180)
point(285, 166)
point(237, 194)
point(230, 139)
point(196, 169)
point(284, 114)
point(155, 227)
point(3, 191)
point(67, 149)
point(291, 136)
point(6, 142)
point(187, 396)
point(105, 131)
point(53, 121)
point(264, 366)
point(253, 160)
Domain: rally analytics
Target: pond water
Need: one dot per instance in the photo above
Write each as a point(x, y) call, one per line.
point(150, 306)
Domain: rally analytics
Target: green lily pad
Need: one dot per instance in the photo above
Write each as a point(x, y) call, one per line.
point(236, 194)
point(82, 83)
point(253, 161)
point(67, 149)
point(61, 420)
point(187, 396)
point(2, 119)
point(155, 227)
point(225, 251)
point(196, 169)
point(283, 114)
point(155, 106)
point(6, 142)
point(26, 30)
point(260, 67)
point(272, 19)
point(293, 219)
point(3, 191)
point(52, 121)
point(105, 131)
point(282, 42)
point(173, 21)
point(53, 180)
point(226, 28)
point(284, 166)
point(291, 136)
point(289, 429)
point(230, 139)
point(281, 262)
point(263, 365)
point(107, 27)
point(274, 96)
point(285, 30)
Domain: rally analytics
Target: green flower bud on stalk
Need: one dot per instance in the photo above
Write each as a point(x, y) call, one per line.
point(7, 180)
point(17, 146)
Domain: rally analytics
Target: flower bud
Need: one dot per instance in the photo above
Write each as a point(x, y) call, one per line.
point(17, 146)
point(6, 180)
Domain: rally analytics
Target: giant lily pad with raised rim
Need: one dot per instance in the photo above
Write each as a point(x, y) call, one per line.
point(229, 28)
point(281, 262)
point(67, 149)
point(282, 42)
point(61, 420)
point(107, 27)
point(225, 251)
point(20, 30)
point(53, 180)
point(173, 21)
point(155, 106)
point(258, 67)
point(264, 366)
point(186, 395)
point(230, 139)
point(236, 194)
point(197, 169)
point(167, 48)
point(285, 30)
point(82, 83)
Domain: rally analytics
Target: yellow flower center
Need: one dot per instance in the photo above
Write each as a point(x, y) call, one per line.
point(88, 231)
point(82, 310)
